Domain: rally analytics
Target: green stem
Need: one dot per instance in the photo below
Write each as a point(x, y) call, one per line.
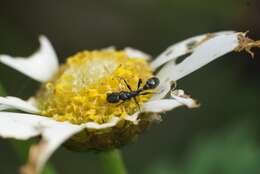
point(2, 91)
point(22, 147)
point(112, 162)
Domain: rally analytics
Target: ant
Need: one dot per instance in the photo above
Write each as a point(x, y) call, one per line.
point(116, 97)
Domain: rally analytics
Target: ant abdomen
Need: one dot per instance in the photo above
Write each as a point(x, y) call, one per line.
point(113, 97)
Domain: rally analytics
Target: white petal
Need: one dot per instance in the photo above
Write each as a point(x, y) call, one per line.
point(40, 66)
point(54, 133)
point(178, 98)
point(4, 107)
point(180, 49)
point(133, 118)
point(203, 54)
point(134, 53)
point(208, 50)
point(93, 125)
point(184, 99)
point(52, 138)
point(21, 126)
point(17, 103)
point(24, 126)
point(32, 101)
point(55, 136)
point(163, 105)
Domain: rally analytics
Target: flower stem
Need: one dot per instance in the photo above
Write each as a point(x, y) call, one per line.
point(112, 162)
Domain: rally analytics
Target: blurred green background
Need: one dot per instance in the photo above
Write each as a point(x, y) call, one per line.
point(221, 137)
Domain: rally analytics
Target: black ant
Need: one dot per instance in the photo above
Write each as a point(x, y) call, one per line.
point(116, 97)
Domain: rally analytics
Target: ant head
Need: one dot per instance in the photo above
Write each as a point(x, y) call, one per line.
point(152, 83)
point(113, 97)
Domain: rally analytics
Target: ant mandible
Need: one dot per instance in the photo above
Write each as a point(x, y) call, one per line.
point(116, 97)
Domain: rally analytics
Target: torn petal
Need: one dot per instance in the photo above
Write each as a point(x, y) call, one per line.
point(208, 50)
point(184, 99)
point(24, 126)
point(247, 44)
point(52, 138)
point(204, 53)
point(40, 66)
point(178, 98)
point(175, 51)
point(17, 103)
point(181, 48)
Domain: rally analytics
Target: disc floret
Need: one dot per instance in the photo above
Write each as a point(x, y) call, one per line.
point(78, 93)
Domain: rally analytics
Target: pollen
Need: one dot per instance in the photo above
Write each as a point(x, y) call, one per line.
point(78, 92)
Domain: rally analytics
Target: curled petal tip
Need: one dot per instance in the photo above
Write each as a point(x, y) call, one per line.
point(185, 99)
point(245, 43)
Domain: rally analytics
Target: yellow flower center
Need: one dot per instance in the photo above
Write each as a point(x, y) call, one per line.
point(78, 92)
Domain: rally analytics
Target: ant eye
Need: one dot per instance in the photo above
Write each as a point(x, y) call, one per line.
point(152, 83)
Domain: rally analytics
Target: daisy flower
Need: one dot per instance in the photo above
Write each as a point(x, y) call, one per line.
point(103, 99)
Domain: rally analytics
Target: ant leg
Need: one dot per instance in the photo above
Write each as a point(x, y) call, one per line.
point(136, 102)
point(139, 83)
point(120, 103)
point(128, 86)
point(146, 93)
